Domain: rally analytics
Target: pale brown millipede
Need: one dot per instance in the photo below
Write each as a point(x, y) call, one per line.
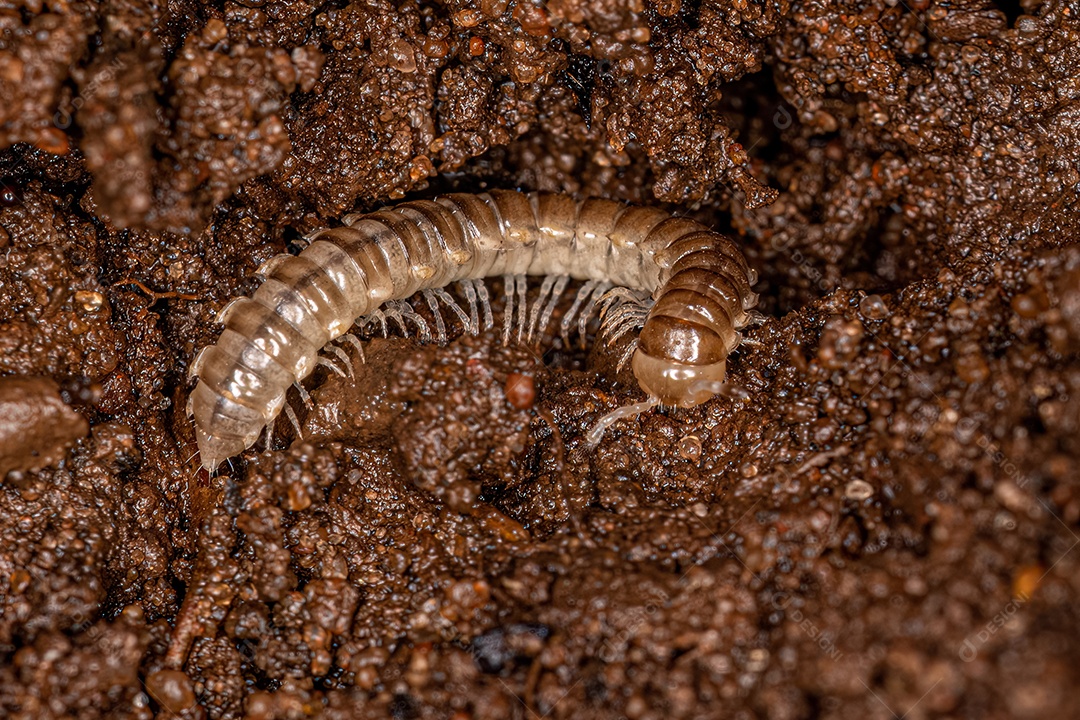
point(698, 281)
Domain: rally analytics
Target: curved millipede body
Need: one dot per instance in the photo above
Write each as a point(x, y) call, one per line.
point(698, 280)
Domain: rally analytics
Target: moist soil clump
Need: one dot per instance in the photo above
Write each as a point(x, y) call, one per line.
point(880, 519)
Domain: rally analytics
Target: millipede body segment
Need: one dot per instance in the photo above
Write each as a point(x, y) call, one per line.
point(698, 280)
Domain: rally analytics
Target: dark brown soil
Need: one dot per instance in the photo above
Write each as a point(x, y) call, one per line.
point(883, 522)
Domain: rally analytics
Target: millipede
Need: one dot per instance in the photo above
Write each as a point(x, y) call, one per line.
point(685, 287)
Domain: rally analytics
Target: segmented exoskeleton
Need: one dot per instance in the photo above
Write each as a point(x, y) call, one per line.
point(698, 281)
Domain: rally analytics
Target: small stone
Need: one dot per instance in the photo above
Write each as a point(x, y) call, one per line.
point(872, 307)
point(89, 300)
point(689, 448)
point(858, 490)
point(171, 689)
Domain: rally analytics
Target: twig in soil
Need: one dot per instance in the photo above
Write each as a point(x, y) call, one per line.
point(157, 295)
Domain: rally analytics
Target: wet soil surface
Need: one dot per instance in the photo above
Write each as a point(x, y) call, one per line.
point(882, 520)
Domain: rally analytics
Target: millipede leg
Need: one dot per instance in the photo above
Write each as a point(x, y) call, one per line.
point(485, 302)
point(393, 312)
point(756, 318)
point(449, 301)
point(357, 345)
point(556, 295)
point(568, 319)
point(421, 325)
point(586, 313)
point(622, 320)
point(522, 286)
point(380, 317)
point(303, 396)
point(289, 413)
point(627, 353)
point(508, 310)
point(538, 306)
point(344, 358)
point(440, 325)
point(328, 363)
point(625, 311)
point(616, 298)
point(469, 290)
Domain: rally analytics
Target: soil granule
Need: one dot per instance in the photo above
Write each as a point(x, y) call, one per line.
point(881, 520)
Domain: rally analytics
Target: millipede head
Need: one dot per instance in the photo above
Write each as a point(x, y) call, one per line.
point(677, 384)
